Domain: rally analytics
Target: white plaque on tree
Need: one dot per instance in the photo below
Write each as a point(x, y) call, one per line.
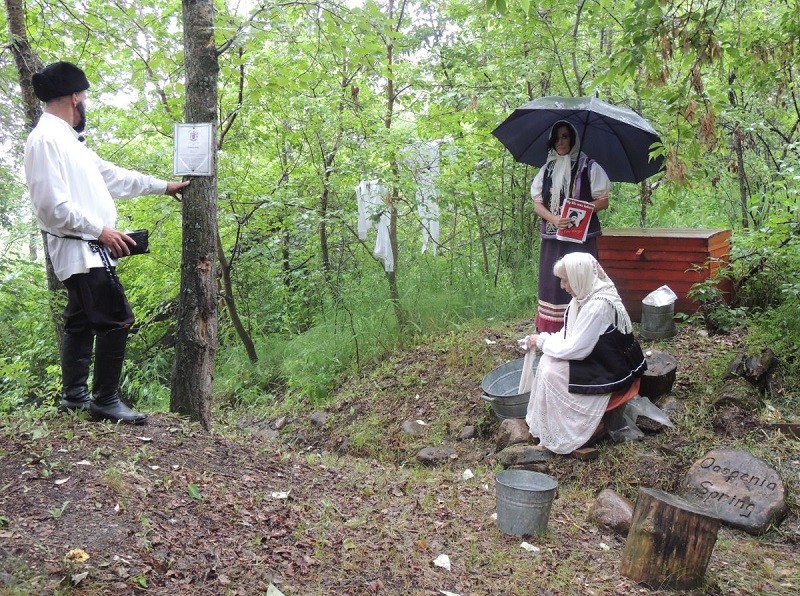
point(192, 151)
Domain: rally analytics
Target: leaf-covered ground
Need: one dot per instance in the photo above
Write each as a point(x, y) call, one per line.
point(343, 507)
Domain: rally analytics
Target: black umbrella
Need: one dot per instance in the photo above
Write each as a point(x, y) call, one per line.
point(617, 138)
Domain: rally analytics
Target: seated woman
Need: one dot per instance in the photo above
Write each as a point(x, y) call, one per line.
point(593, 356)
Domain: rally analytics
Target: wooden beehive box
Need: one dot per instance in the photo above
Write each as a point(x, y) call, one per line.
point(640, 260)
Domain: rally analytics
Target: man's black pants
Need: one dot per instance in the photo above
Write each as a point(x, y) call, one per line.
point(96, 302)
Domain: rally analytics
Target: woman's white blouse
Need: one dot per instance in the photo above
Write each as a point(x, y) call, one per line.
point(592, 321)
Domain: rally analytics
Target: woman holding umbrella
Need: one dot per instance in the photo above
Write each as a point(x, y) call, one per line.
point(567, 173)
point(617, 137)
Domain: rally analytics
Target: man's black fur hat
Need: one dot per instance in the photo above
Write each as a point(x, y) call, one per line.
point(59, 79)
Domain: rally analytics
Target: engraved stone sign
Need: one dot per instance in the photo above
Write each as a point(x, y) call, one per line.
point(740, 489)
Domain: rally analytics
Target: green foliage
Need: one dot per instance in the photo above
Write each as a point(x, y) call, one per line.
point(305, 95)
point(239, 382)
point(765, 300)
point(57, 512)
point(717, 316)
point(146, 376)
point(315, 361)
point(360, 328)
point(194, 492)
point(778, 329)
point(28, 352)
point(770, 259)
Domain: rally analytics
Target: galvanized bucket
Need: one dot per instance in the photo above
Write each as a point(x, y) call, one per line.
point(501, 390)
point(524, 499)
point(658, 322)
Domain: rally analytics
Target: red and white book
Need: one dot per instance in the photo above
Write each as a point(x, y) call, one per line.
point(579, 213)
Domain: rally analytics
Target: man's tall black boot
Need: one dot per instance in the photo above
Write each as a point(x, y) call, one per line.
point(108, 359)
point(76, 355)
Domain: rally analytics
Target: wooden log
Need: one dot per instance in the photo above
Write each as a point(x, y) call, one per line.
point(669, 543)
point(659, 376)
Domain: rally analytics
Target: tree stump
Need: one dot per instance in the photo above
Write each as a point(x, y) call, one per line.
point(669, 543)
point(659, 376)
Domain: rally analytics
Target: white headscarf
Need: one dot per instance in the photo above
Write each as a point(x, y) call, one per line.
point(589, 282)
point(562, 168)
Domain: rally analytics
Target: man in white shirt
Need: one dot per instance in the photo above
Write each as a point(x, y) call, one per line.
point(73, 190)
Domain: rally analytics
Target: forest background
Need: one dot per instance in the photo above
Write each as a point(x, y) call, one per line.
point(316, 97)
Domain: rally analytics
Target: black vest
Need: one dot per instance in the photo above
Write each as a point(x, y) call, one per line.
point(613, 364)
point(586, 195)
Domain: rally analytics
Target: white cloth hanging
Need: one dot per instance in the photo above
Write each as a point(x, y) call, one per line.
point(383, 244)
point(370, 196)
point(373, 212)
point(428, 211)
point(423, 159)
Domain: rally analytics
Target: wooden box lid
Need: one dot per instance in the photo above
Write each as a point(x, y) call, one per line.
point(666, 238)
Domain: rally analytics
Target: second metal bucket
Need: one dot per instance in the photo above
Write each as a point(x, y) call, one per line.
point(658, 322)
point(501, 389)
point(524, 499)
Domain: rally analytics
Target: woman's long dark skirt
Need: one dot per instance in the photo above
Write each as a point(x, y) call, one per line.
point(553, 301)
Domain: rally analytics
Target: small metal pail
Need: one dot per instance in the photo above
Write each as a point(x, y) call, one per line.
point(658, 322)
point(524, 499)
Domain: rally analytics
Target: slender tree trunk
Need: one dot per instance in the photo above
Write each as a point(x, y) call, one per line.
point(230, 302)
point(481, 235)
point(736, 141)
point(740, 174)
point(391, 276)
point(574, 52)
point(286, 265)
point(323, 214)
point(328, 160)
point(27, 63)
point(645, 198)
point(500, 236)
point(196, 333)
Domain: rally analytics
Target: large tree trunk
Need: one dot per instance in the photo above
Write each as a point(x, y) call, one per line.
point(26, 60)
point(196, 334)
point(28, 63)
